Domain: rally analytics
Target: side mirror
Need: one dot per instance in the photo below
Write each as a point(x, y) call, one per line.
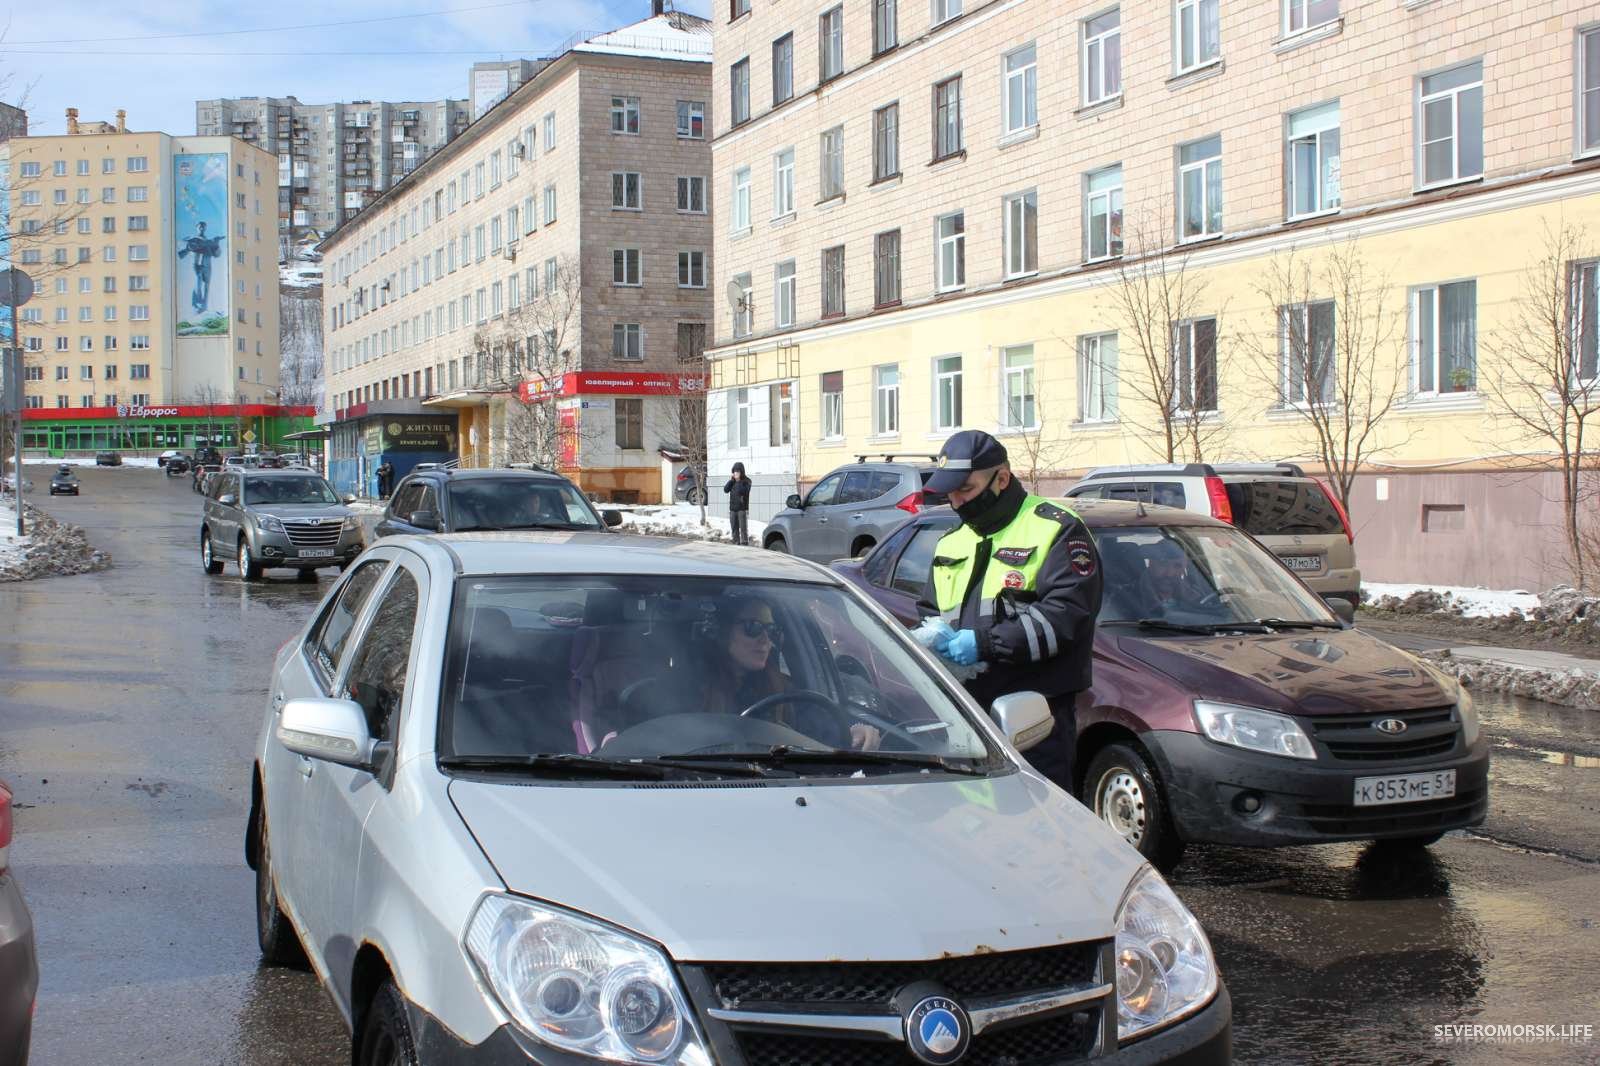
point(1343, 608)
point(227, 499)
point(1024, 717)
point(424, 519)
point(331, 730)
point(794, 502)
point(612, 519)
point(347, 498)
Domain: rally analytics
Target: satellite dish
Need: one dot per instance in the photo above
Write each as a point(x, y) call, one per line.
point(736, 294)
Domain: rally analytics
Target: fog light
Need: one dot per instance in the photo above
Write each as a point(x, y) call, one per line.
point(269, 550)
point(1248, 802)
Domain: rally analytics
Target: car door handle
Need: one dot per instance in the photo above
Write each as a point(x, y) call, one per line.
point(858, 515)
point(278, 701)
point(307, 767)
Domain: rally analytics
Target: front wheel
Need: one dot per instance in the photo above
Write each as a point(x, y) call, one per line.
point(777, 544)
point(1122, 790)
point(386, 1035)
point(249, 569)
point(279, 944)
point(208, 560)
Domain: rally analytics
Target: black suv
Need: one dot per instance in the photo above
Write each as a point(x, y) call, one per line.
point(451, 500)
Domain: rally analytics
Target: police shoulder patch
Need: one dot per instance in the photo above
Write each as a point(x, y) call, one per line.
point(1081, 553)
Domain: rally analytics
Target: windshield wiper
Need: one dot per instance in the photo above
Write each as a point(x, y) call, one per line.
point(549, 525)
point(1161, 623)
point(783, 754)
point(652, 768)
point(476, 529)
point(1302, 623)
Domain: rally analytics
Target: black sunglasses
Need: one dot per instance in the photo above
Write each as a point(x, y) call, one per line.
point(754, 627)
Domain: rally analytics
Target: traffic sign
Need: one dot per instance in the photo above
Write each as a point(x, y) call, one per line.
point(16, 288)
point(249, 436)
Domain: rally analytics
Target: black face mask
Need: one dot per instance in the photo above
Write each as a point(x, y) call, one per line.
point(988, 511)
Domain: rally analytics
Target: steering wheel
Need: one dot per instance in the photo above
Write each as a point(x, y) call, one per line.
point(883, 725)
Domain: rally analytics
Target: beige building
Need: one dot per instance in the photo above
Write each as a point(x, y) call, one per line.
point(544, 276)
point(930, 213)
point(135, 306)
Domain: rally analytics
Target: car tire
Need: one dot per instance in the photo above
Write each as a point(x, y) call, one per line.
point(1123, 792)
point(861, 547)
point(776, 544)
point(386, 1031)
point(305, 573)
point(697, 496)
point(249, 569)
point(280, 946)
point(208, 559)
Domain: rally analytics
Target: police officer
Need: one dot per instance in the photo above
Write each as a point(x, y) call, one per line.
point(1019, 581)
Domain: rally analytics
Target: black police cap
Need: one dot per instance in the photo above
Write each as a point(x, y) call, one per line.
point(964, 452)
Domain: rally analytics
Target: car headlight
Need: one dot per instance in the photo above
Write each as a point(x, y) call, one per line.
point(1469, 716)
point(582, 986)
point(352, 522)
point(1253, 729)
point(271, 524)
point(1165, 968)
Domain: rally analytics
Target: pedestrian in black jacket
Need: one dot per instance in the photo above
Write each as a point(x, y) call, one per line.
point(738, 490)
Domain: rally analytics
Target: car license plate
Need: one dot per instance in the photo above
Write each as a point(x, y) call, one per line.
point(316, 553)
point(1303, 563)
point(1405, 788)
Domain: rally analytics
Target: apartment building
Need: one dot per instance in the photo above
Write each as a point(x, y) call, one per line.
point(540, 286)
point(973, 213)
point(333, 159)
point(13, 122)
point(156, 287)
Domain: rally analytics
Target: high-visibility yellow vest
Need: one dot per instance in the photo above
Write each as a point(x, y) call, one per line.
point(1016, 553)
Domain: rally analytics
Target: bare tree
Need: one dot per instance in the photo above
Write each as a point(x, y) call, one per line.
point(300, 341)
point(1333, 355)
point(1545, 381)
point(535, 345)
point(1166, 326)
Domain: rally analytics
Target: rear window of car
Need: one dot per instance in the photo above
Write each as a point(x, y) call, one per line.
point(1160, 493)
point(1281, 507)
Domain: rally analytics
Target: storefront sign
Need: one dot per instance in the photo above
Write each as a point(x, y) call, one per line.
point(419, 435)
point(202, 412)
point(614, 383)
point(129, 411)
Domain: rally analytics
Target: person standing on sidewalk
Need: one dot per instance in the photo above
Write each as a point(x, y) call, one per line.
point(1019, 581)
point(738, 490)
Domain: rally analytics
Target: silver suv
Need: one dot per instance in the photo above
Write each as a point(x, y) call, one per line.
point(276, 518)
point(853, 508)
point(1293, 515)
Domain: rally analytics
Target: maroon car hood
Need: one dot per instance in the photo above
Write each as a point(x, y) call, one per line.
point(1299, 672)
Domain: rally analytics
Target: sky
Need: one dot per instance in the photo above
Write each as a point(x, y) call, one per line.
point(156, 62)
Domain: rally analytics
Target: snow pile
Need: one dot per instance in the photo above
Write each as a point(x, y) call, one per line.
point(12, 547)
point(51, 547)
point(1448, 599)
point(682, 520)
point(145, 461)
point(1568, 688)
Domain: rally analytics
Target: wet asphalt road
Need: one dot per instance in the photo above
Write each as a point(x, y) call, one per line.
point(129, 706)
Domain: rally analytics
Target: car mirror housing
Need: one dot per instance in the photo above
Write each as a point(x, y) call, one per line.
point(347, 498)
point(794, 502)
point(332, 730)
point(1343, 608)
point(425, 520)
point(612, 519)
point(1024, 717)
point(227, 499)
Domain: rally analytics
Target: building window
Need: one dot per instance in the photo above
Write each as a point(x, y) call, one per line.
point(1021, 90)
point(832, 406)
point(783, 295)
point(1102, 57)
point(947, 392)
point(691, 270)
point(833, 281)
point(1301, 15)
point(630, 423)
point(625, 114)
point(626, 267)
point(830, 44)
point(1306, 339)
point(885, 26)
point(1200, 189)
point(138, 164)
point(951, 236)
point(783, 184)
point(738, 9)
point(1197, 33)
point(1313, 160)
point(739, 419)
point(741, 200)
point(1103, 209)
point(1097, 378)
point(743, 307)
point(139, 312)
point(1450, 124)
point(780, 414)
point(833, 163)
point(1586, 324)
point(739, 91)
point(692, 195)
point(945, 10)
point(1589, 90)
point(692, 119)
point(549, 131)
point(625, 191)
point(782, 69)
point(885, 399)
point(139, 194)
point(1194, 366)
point(886, 269)
point(1018, 397)
point(1021, 234)
point(947, 118)
point(549, 204)
point(1444, 338)
point(886, 142)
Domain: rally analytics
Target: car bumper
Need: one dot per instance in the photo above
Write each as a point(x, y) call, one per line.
point(63, 490)
point(276, 550)
point(1302, 801)
point(1203, 1039)
point(19, 972)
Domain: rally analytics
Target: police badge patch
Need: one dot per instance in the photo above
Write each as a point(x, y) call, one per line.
point(1014, 579)
point(1082, 556)
point(1014, 556)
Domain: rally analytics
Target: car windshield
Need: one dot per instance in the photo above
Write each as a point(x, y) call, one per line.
point(637, 674)
point(270, 490)
point(518, 503)
point(1205, 576)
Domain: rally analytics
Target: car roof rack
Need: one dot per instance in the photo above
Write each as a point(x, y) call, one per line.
point(1179, 469)
point(1289, 469)
point(896, 457)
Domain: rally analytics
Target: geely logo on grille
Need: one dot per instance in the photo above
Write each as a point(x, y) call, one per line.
point(937, 1031)
point(312, 521)
point(1392, 726)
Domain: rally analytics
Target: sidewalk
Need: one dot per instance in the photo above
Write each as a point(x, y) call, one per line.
point(1551, 676)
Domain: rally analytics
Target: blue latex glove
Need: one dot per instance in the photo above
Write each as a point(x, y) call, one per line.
point(962, 648)
point(940, 635)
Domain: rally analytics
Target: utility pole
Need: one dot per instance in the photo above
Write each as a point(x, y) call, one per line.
point(16, 289)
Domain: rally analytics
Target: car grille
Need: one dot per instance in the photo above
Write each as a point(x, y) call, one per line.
point(303, 534)
point(1056, 1039)
point(1355, 738)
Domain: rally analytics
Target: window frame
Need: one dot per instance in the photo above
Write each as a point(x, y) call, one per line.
point(628, 333)
point(885, 27)
point(1113, 214)
point(885, 400)
point(830, 407)
point(785, 46)
point(1199, 7)
point(831, 171)
point(833, 282)
point(942, 11)
point(744, 321)
point(739, 85)
point(1097, 64)
point(1025, 377)
point(1292, 365)
point(1317, 139)
point(1288, 29)
point(1582, 73)
point(1201, 166)
point(741, 201)
point(956, 243)
point(1097, 376)
point(881, 260)
point(1187, 330)
point(686, 259)
point(1436, 323)
point(629, 255)
point(886, 142)
point(1419, 118)
point(947, 118)
point(687, 111)
point(785, 293)
point(628, 423)
point(1028, 74)
point(638, 190)
point(1584, 319)
point(830, 44)
point(783, 205)
point(628, 109)
point(1029, 201)
point(947, 385)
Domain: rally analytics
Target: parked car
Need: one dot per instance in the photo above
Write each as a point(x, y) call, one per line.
point(166, 456)
point(1295, 516)
point(690, 484)
point(853, 508)
point(177, 466)
point(64, 482)
point(448, 499)
point(468, 755)
point(267, 519)
point(108, 459)
point(1230, 705)
point(19, 963)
